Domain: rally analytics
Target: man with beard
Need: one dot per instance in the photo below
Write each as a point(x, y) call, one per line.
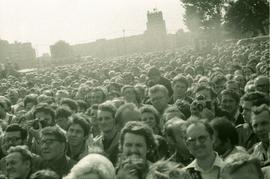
point(18, 163)
point(199, 141)
point(77, 134)
point(260, 120)
point(136, 141)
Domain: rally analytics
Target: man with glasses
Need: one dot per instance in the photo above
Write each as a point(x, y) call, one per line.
point(53, 151)
point(199, 141)
point(260, 120)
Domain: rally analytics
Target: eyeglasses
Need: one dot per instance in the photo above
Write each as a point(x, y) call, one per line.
point(192, 141)
point(48, 141)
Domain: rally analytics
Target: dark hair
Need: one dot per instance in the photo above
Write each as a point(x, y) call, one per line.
point(15, 128)
point(71, 103)
point(207, 126)
point(45, 174)
point(204, 87)
point(63, 111)
point(82, 104)
point(118, 115)
point(139, 128)
point(225, 130)
point(80, 120)
point(23, 150)
point(31, 98)
point(257, 98)
point(181, 79)
point(46, 108)
point(150, 109)
point(231, 93)
point(109, 107)
point(55, 131)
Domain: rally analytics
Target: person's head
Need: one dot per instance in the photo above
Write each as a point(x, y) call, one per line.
point(179, 85)
point(230, 101)
point(70, 103)
point(13, 96)
point(18, 162)
point(241, 80)
point(241, 165)
point(92, 166)
point(29, 101)
point(150, 116)
point(52, 143)
point(45, 174)
point(137, 139)
point(154, 75)
point(225, 135)
point(45, 114)
point(199, 139)
point(260, 121)
point(159, 97)
point(174, 131)
point(60, 94)
point(252, 99)
point(62, 115)
point(82, 106)
point(219, 83)
point(206, 91)
point(14, 135)
point(96, 96)
point(77, 130)
point(262, 83)
point(171, 112)
point(233, 85)
point(130, 94)
point(125, 113)
point(106, 117)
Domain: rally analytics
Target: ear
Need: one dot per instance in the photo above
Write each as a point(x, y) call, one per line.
point(28, 163)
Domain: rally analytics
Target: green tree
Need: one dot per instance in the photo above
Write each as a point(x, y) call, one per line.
point(247, 17)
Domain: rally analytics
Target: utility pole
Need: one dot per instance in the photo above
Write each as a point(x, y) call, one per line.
point(124, 41)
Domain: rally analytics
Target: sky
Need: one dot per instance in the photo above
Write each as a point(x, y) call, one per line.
point(44, 22)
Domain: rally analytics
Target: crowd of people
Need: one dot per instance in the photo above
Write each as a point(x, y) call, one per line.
point(163, 115)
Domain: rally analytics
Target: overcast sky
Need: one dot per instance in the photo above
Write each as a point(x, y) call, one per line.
point(43, 22)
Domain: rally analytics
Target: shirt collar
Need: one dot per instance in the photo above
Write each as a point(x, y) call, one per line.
point(217, 163)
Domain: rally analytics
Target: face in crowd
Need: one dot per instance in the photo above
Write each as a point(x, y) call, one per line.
point(51, 147)
point(199, 141)
point(106, 121)
point(16, 165)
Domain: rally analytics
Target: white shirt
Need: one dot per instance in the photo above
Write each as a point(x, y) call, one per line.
point(213, 173)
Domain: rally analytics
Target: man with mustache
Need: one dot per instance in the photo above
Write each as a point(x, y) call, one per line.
point(136, 141)
point(199, 141)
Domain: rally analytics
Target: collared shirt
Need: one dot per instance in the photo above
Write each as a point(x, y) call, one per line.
point(260, 152)
point(213, 173)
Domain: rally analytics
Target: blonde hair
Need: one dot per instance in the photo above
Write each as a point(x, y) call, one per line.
point(93, 163)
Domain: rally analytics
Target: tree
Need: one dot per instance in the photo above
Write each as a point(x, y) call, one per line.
point(203, 14)
point(244, 17)
point(61, 49)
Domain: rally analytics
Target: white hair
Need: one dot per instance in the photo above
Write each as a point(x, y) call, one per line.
point(93, 163)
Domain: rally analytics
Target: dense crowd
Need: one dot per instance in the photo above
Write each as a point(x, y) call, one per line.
point(164, 115)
